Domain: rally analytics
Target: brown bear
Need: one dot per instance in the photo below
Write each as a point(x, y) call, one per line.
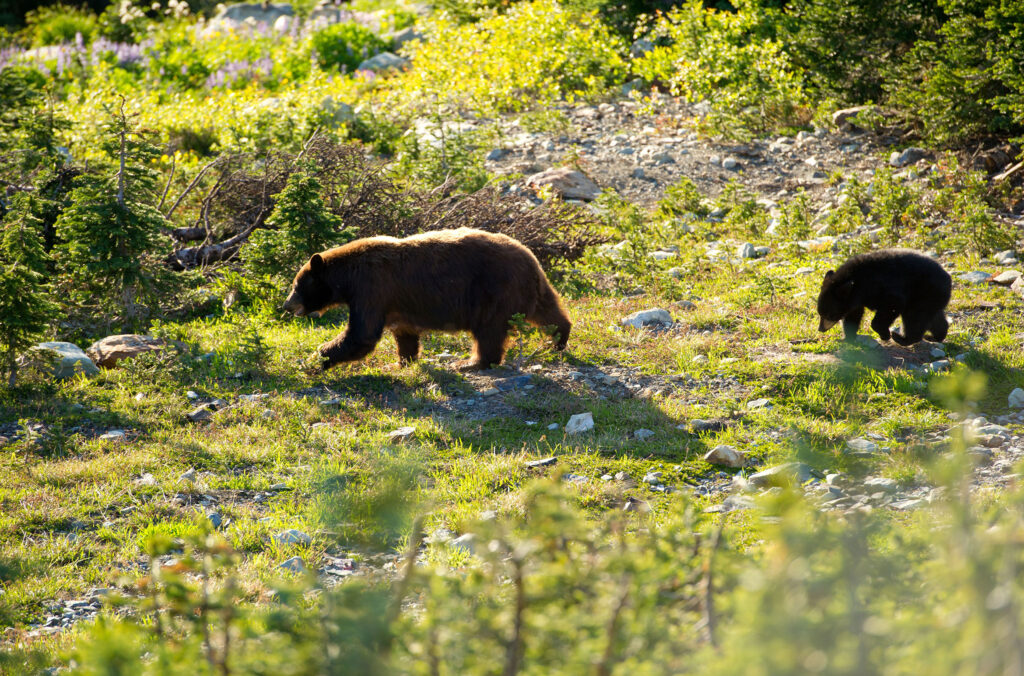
point(448, 280)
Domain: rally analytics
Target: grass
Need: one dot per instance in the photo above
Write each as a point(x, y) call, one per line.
point(75, 512)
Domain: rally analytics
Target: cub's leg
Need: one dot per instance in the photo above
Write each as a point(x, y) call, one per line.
point(881, 322)
point(408, 345)
point(914, 325)
point(851, 322)
point(939, 327)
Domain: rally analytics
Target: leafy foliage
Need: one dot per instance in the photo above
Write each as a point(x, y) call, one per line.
point(345, 45)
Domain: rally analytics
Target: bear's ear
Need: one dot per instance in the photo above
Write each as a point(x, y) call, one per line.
point(316, 264)
point(828, 275)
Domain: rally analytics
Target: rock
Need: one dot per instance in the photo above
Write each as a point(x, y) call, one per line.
point(782, 475)
point(877, 483)
point(1018, 286)
point(496, 154)
point(725, 456)
point(1005, 278)
point(843, 119)
point(553, 426)
point(383, 62)
point(652, 478)
point(201, 413)
point(1016, 398)
point(337, 113)
point(264, 13)
point(513, 383)
point(579, 423)
point(114, 435)
point(464, 542)
point(746, 250)
point(399, 38)
point(401, 435)
point(758, 404)
point(292, 537)
point(294, 565)
point(640, 47)
point(543, 462)
point(188, 475)
point(685, 304)
point(146, 479)
point(975, 277)
point(730, 163)
point(643, 434)
point(566, 182)
point(908, 156)
point(215, 519)
point(698, 425)
point(861, 445)
point(909, 503)
point(106, 352)
point(70, 360)
point(490, 392)
point(937, 352)
point(652, 317)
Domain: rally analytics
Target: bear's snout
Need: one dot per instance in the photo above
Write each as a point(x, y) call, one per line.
point(825, 324)
point(294, 305)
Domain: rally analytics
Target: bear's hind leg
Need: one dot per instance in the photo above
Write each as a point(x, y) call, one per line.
point(914, 326)
point(488, 348)
point(939, 327)
point(408, 345)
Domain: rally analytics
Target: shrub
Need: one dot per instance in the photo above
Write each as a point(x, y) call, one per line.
point(537, 53)
point(57, 24)
point(724, 58)
point(345, 45)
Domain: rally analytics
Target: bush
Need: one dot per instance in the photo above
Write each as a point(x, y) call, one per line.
point(726, 59)
point(345, 45)
point(537, 53)
point(57, 24)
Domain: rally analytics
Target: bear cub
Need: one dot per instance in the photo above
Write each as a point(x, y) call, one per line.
point(448, 280)
point(893, 283)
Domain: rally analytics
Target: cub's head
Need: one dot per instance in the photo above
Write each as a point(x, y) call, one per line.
point(835, 300)
point(310, 294)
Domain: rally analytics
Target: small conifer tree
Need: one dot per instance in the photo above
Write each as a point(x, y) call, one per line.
point(300, 226)
point(111, 229)
point(25, 304)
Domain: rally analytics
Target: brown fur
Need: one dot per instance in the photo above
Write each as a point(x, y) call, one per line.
point(449, 280)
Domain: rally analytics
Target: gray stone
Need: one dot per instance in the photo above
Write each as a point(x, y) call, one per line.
point(496, 154)
point(640, 47)
point(215, 519)
point(265, 13)
point(1016, 398)
point(730, 163)
point(566, 182)
point(643, 434)
point(652, 478)
point(782, 475)
point(201, 413)
point(746, 250)
point(465, 542)
point(725, 456)
point(543, 462)
point(553, 426)
point(401, 435)
point(861, 445)
point(294, 565)
point(1006, 277)
point(580, 423)
point(188, 475)
point(975, 277)
point(70, 360)
point(106, 352)
point(399, 38)
point(292, 537)
point(877, 483)
point(383, 62)
point(339, 112)
point(114, 435)
point(758, 404)
point(652, 317)
point(907, 156)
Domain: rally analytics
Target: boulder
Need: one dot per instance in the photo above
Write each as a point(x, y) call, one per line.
point(652, 317)
point(580, 423)
point(384, 61)
point(568, 183)
point(70, 360)
point(106, 352)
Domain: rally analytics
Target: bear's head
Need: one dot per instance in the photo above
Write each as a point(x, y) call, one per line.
point(835, 300)
point(311, 293)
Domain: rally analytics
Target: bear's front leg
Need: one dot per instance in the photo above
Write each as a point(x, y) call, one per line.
point(881, 322)
point(851, 322)
point(358, 341)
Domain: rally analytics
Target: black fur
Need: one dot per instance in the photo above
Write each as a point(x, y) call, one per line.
point(894, 283)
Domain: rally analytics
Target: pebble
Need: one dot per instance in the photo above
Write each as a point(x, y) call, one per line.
point(725, 456)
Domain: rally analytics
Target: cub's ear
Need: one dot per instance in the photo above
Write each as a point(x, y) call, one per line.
point(828, 275)
point(316, 264)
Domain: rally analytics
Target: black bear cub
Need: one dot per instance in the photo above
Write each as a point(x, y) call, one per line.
point(893, 283)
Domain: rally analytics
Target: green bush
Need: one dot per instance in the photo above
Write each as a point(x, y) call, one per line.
point(345, 45)
point(537, 53)
point(726, 59)
point(58, 24)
